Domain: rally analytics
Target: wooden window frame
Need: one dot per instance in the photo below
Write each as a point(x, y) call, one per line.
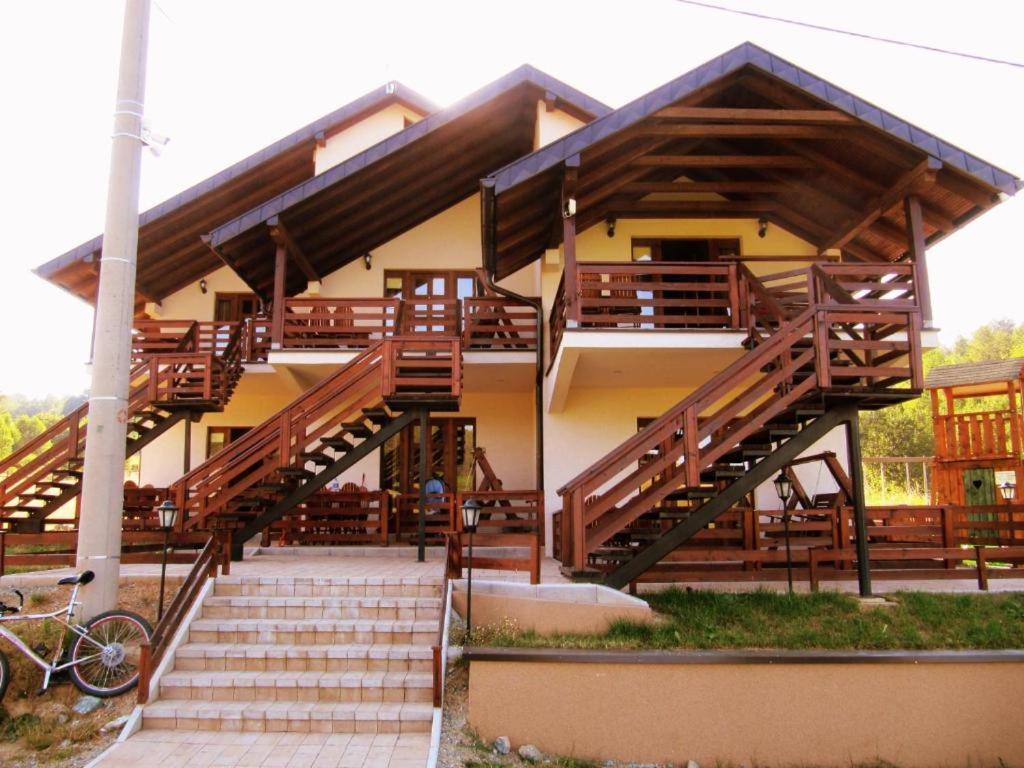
point(654, 243)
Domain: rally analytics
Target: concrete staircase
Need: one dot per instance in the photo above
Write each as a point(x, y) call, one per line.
point(305, 655)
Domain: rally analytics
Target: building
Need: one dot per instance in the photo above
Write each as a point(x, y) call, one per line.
point(642, 314)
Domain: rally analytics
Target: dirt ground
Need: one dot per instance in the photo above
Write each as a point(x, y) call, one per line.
point(41, 730)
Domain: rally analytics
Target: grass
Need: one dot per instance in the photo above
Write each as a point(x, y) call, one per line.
point(827, 620)
point(42, 729)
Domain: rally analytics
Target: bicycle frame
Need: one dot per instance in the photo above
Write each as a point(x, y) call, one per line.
point(62, 617)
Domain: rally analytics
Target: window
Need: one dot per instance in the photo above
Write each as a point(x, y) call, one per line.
point(452, 441)
point(231, 307)
point(219, 438)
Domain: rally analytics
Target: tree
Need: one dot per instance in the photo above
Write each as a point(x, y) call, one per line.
point(9, 434)
point(906, 429)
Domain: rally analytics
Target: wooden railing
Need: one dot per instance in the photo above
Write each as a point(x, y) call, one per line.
point(861, 345)
point(557, 319)
point(420, 367)
point(651, 295)
point(335, 518)
point(153, 651)
point(429, 316)
point(439, 522)
point(338, 323)
point(61, 443)
point(979, 435)
point(508, 519)
point(494, 322)
point(298, 428)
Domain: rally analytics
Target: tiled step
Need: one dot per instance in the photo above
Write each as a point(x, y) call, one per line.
point(251, 586)
point(348, 687)
point(291, 716)
point(216, 657)
point(408, 608)
point(311, 631)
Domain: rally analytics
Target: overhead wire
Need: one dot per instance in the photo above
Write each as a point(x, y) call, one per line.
point(850, 33)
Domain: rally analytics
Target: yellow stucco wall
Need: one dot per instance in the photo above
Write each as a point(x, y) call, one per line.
point(190, 303)
point(552, 125)
point(369, 131)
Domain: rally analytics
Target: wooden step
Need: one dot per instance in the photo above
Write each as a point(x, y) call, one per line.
point(319, 458)
point(296, 472)
point(357, 428)
point(379, 416)
point(337, 443)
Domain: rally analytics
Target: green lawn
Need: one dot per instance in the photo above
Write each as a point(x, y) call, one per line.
point(827, 620)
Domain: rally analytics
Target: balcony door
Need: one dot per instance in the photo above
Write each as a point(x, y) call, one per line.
point(452, 441)
point(431, 298)
point(690, 304)
point(232, 307)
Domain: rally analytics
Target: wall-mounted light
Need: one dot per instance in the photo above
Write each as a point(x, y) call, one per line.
point(569, 208)
point(762, 227)
point(610, 224)
point(202, 285)
point(367, 260)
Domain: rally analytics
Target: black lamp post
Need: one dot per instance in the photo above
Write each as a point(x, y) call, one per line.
point(1008, 491)
point(470, 520)
point(168, 512)
point(784, 488)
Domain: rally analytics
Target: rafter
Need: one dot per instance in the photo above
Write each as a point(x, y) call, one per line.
point(282, 237)
point(752, 131)
point(725, 114)
point(744, 187)
point(879, 205)
point(724, 161)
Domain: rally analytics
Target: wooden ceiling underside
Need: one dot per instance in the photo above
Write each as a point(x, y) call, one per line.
point(349, 218)
point(171, 254)
point(746, 146)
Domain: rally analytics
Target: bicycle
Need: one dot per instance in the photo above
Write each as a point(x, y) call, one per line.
point(103, 657)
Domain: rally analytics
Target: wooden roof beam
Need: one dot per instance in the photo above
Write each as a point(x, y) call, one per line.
point(719, 187)
point(751, 131)
point(282, 237)
point(725, 114)
point(724, 161)
point(879, 205)
point(230, 264)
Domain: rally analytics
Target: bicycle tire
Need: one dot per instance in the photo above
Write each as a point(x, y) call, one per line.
point(5, 675)
point(115, 669)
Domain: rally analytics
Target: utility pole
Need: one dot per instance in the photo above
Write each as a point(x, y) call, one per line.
point(99, 529)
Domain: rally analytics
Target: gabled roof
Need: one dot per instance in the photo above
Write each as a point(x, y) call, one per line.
point(968, 374)
point(864, 143)
point(370, 198)
point(171, 254)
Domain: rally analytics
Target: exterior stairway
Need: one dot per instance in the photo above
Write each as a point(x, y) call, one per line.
point(327, 429)
point(823, 344)
point(46, 473)
point(305, 655)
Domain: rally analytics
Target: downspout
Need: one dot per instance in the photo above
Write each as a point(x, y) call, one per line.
point(489, 243)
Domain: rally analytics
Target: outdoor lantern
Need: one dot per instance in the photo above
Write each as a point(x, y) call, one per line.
point(470, 515)
point(168, 512)
point(1008, 490)
point(783, 487)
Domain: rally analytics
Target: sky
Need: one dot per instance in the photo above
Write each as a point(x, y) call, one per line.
point(228, 77)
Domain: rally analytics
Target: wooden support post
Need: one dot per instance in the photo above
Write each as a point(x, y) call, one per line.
point(859, 509)
point(948, 534)
point(187, 453)
point(280, 274)
point(421, 552)
point(915, 237)
point(568, 213)
point(982, 563)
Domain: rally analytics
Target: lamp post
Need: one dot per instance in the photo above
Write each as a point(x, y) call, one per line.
point(168, 512)
point(470, 520)
point(1008, 490)
point(784, 488)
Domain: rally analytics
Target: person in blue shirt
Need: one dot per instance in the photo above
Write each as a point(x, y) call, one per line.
point(436, 488)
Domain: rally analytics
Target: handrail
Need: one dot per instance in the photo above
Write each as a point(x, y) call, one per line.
point(152, 651)
point(250, 458)
point(437, 650)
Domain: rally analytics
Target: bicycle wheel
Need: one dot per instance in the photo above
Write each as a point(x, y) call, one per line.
point(5, 675)
point(106, 658)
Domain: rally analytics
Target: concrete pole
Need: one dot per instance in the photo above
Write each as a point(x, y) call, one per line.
point(99, 531)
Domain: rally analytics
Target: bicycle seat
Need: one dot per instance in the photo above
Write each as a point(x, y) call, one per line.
point(83, 578)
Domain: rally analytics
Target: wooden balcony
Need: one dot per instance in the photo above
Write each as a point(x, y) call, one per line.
point(491, 323)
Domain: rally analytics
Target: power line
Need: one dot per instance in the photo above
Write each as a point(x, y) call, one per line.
point(862, 35)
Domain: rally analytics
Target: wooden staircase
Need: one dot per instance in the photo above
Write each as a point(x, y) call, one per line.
point(280, 463)
point(46, 473)
point(823, 344)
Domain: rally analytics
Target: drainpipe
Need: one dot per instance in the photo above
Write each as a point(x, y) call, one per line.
point(489, 243)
